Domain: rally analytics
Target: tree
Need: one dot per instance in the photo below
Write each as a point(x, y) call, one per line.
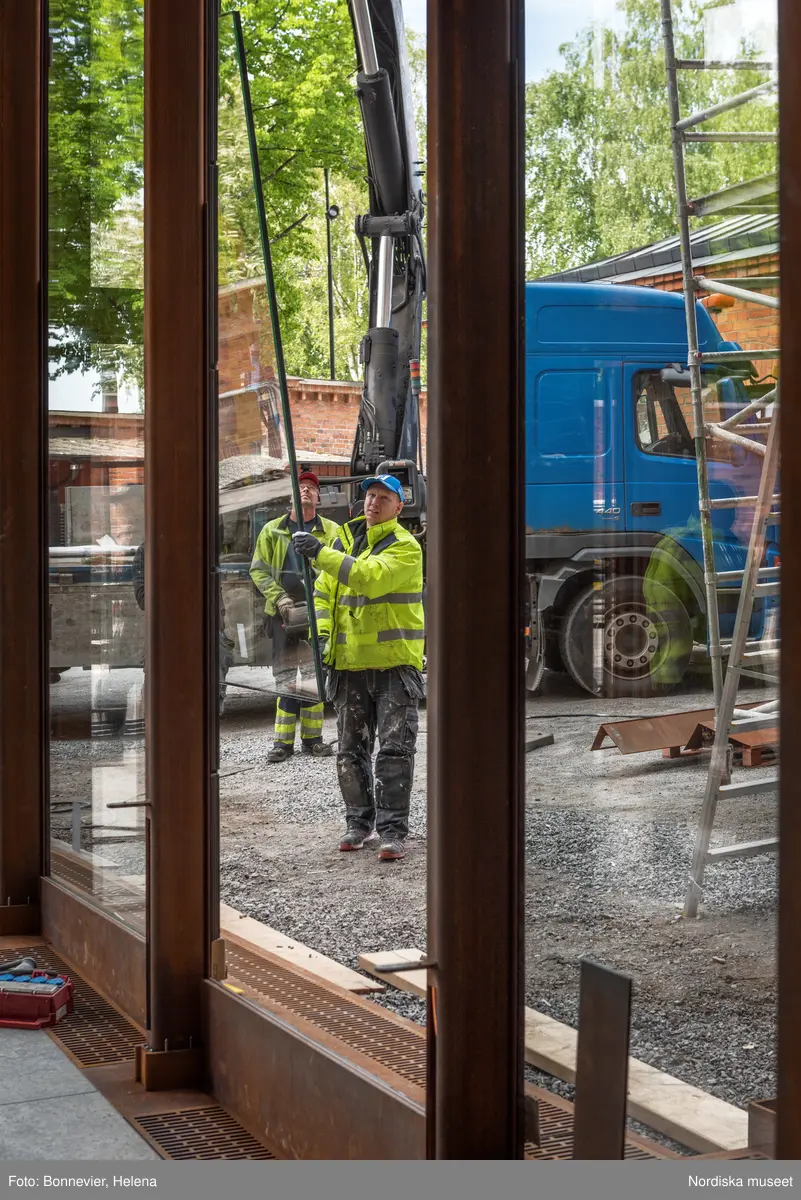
point(599, 171)
point(95, 177)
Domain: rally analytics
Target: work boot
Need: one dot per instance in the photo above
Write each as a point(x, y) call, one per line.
point(317, 749)
point(355, 839)
point(391, 848)
point(280, 753)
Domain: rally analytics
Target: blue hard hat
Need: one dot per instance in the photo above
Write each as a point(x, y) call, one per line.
point(387, 481)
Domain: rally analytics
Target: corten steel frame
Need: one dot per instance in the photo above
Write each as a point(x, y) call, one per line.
point(788, 1140)
point(476, 696)
point(22, 539)
point(179, 572)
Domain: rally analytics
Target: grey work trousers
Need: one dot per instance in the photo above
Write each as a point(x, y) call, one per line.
point(371, 703)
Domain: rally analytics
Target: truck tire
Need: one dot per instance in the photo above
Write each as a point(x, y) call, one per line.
point(535, 669)
point(615, 642)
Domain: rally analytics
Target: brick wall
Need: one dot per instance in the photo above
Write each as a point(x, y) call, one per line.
point(752, 325)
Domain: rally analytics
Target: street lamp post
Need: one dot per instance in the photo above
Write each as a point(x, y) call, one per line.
point(331, 214)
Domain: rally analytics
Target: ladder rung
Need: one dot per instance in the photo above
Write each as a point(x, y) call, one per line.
point(760, 675)
point(768, 589)
point(736, 356)
point(730, 135)
point(740, 502)
point(761, 656)
point(764, 573)
point(707, 114)
point(752, 724)
point(739, 64)
point(743, 850)
point(756, 787)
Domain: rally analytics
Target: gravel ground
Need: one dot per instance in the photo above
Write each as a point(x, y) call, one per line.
point(608, 845)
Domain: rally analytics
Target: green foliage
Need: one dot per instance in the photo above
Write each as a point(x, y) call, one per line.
point(599, 169)
point(95, 177)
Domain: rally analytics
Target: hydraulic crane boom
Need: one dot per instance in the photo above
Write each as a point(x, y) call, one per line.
point(388, 429)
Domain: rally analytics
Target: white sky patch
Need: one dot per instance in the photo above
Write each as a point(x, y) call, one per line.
point(548, 26)
point(753, 23)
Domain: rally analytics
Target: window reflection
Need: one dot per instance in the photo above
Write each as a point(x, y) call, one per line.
point(96, 452)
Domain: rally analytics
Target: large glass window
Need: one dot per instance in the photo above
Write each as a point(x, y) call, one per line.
point(636, 556)
point(96, 451)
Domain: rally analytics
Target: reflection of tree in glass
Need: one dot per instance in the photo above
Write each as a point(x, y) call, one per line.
point(95, 113)
point(598, 157)
point(301, 63)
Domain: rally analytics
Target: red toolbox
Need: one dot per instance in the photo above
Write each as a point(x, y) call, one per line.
point(34, 1001)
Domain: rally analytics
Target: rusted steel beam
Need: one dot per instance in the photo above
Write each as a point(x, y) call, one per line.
point(788, 1132)
point(178, 537)
point(287, 1083)
point(23, 543)
point(476, 325)
point(602, 1063)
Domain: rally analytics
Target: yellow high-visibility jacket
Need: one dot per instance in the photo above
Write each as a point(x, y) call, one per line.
point(369, 601)
point(270, 555)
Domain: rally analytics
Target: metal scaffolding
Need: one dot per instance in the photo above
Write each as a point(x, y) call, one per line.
point(755, 581)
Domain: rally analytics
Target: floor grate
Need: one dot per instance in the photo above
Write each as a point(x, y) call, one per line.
point(370, 1033)
point(200, 1133)
point(556, 1136)
point(94, 1034)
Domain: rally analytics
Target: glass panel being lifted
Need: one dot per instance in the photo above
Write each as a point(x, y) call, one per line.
point(264, 498)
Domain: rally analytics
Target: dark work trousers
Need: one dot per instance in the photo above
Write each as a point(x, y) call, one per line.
point(370, 703)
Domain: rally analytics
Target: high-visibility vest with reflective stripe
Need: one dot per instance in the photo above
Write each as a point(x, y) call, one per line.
point(270, 555)
point(369, 605)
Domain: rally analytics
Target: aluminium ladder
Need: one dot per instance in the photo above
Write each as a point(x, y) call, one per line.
point(756, 581)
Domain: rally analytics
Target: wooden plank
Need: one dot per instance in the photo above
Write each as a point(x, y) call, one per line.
point(662, 1102)
point(404, 981)
point(255, 936)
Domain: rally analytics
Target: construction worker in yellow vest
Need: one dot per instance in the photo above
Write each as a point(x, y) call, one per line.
point(368, 601)
point(277, 572)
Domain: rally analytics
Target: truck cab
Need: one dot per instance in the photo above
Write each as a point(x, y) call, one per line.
point(613, 535)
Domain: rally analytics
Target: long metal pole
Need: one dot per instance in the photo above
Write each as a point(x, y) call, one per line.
point(712, 616)
point(308, 579)
point(331, 361)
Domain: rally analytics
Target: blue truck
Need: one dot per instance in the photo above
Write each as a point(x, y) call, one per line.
point(611, 486)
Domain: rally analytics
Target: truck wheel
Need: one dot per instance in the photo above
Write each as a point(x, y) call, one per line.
point(618, 641)
point(535, 669)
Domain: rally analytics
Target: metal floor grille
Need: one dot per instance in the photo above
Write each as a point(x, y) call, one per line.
point(371, 1033)
point(200, 1133)
point(556, 1136)
point(94, 1033)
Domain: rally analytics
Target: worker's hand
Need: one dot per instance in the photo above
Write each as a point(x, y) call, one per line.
point(285, 604)
point(306, 544)
point(323, 644)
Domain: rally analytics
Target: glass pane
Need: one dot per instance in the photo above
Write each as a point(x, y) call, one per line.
point(261, 495)
point(286, 801)
point(96, 451)
point(622, 807)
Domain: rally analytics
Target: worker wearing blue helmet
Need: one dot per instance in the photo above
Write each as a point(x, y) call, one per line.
point(368, 600)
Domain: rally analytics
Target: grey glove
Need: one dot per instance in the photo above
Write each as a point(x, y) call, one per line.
point(323, 643)
point(306, 544)
point(285, 604)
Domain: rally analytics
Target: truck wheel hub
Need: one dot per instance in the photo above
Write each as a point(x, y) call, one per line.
point(630, 643)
